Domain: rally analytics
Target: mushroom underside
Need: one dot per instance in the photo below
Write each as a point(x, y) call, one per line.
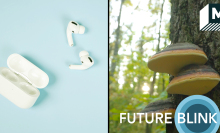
point(161, 106)
point(150, 114)
point(193, 86)
point(172, 63)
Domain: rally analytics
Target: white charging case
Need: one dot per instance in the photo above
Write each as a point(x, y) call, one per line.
point(20, 81)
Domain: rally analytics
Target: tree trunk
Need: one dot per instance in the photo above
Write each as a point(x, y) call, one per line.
point(163, 82)
point(184, 27)
point(141, 50)
point(152, 84)
point(117, 43)
point(157, 50)
point(148, 128)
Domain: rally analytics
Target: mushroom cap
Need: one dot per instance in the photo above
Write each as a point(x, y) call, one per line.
point(174, 57)
point(194, 80)
point(161, 106)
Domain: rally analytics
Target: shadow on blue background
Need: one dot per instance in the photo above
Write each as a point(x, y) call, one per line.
point(52, 77)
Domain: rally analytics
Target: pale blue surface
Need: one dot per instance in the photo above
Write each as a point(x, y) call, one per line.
point(74, 101)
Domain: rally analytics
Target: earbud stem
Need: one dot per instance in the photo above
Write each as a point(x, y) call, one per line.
point(78, 67)
point(69, 38)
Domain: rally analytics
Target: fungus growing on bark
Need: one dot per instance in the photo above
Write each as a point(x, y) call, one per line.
point(161, 106)
point(175, 57)
point(194, 80)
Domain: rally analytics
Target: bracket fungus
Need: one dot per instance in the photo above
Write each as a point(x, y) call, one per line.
point(174, 57)
point(161, 106)
point(194, 80)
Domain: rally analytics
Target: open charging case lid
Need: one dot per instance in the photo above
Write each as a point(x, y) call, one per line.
point(31, 73)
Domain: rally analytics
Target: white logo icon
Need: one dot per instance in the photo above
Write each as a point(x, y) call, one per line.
point(210, 18)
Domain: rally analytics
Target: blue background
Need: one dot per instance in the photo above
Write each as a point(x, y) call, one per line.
point(74, 101)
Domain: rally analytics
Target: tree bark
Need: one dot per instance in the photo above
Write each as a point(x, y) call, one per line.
point(184, 27)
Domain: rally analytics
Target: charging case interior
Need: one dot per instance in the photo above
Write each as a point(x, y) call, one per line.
point(20, 81)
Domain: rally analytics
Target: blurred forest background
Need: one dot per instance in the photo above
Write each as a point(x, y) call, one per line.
point(138, 29)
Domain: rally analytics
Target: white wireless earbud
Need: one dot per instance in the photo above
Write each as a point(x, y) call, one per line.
point(73, 27)
point(86, 60)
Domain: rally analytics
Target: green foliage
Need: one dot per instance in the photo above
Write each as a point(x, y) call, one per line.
point(130, 97)
point(127, 3)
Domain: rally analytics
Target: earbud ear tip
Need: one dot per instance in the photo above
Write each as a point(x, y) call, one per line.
point(83, 53)
point(81, 29)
